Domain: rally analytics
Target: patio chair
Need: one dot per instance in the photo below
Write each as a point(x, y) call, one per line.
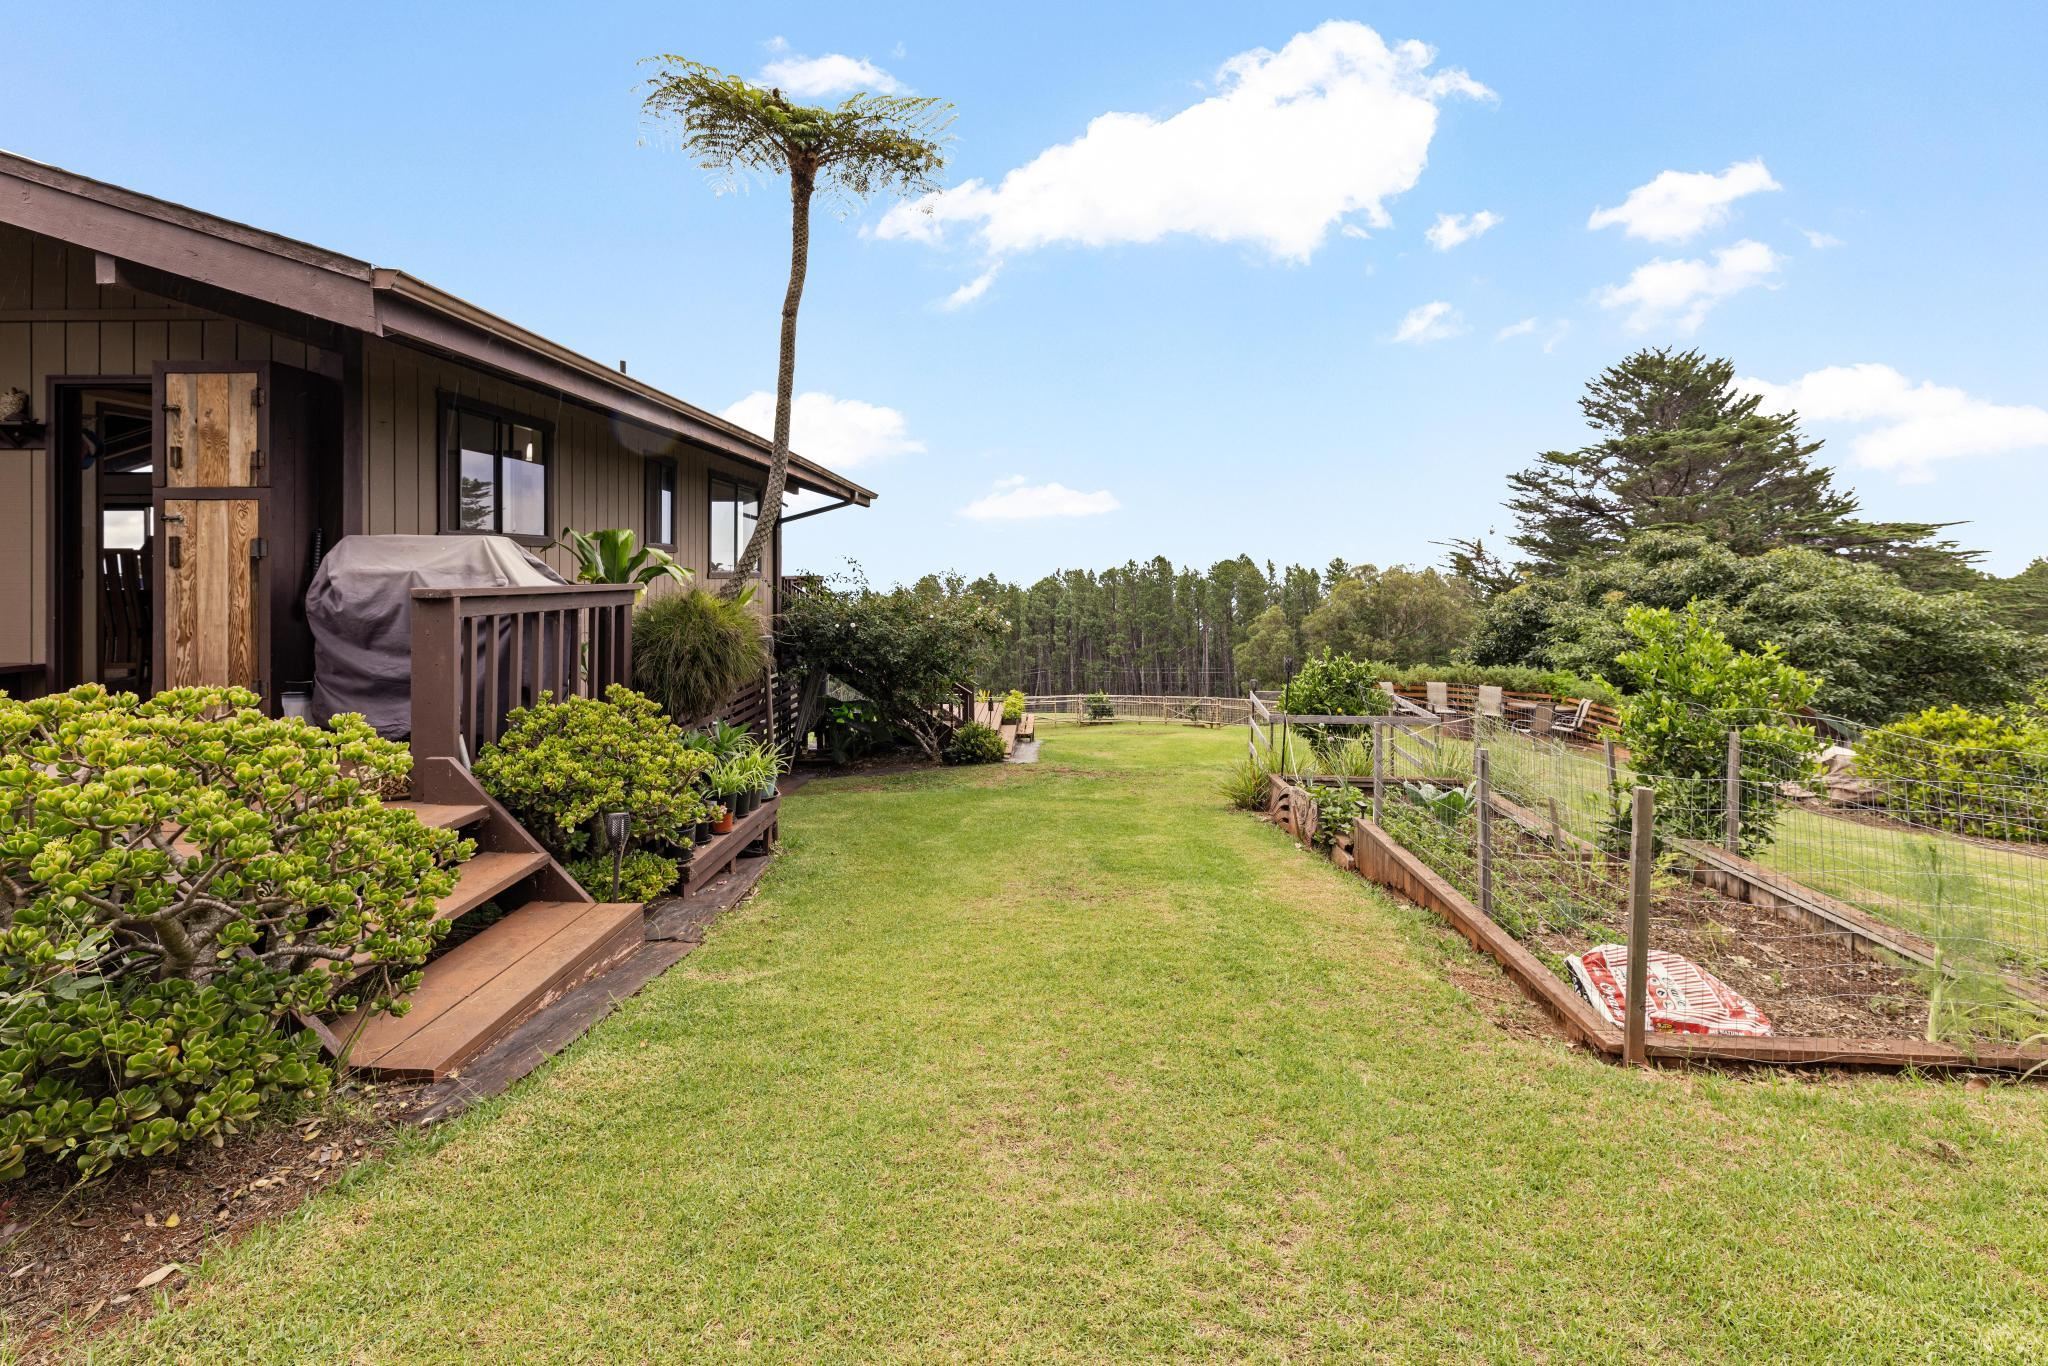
point(1573, 727)
point(1438, 697)
point(1491, 702)
point(1541, 718)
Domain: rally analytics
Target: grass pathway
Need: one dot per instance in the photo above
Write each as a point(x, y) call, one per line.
point(1069, 1061)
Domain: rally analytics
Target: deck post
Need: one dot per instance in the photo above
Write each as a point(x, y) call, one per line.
point(1731, 817)
point(436, 678)
point(1607, 749)
point(1641, 835)
point(1481, 773)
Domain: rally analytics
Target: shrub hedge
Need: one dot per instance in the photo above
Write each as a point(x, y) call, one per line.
point(176, 878)
point(1976, 773)
point(975, 743)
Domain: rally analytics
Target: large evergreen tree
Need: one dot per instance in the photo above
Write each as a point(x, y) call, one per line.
point(1681, 448)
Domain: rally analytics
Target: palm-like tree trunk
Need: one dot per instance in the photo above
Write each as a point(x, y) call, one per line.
point(801, 184)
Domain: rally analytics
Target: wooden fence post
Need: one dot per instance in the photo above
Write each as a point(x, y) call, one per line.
point(1483, 786)
point(1731, 818)
point(1607, 748)
point(1379, 771)
point(1641, 836)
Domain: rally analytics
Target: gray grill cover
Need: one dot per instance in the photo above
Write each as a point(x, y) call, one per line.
point(360, 609)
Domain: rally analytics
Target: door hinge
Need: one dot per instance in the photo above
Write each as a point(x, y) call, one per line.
point(259, 546)
point(256, 397)
point(174, 552)
point(256, 458)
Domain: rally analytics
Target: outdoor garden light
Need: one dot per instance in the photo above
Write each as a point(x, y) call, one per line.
point(618, 832)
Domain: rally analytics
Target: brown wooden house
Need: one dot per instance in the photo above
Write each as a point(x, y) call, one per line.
point(208, 405)
point(203, 407)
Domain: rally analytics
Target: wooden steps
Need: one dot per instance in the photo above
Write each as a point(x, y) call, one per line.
point(1009, 734)
point(1027, 729)
point(483, 877)
point(483, 988)
point(444, 815)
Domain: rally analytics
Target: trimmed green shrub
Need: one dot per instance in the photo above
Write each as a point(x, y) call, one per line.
point(975, 743)
point(692, 651)
point(1098, 707)
point(176, 877)
point(643, 875)
point(1013, 707)
point(560, 766)
point(1950, 768)
point(1515, 678)
point(1336, 685)
point(1691, 687)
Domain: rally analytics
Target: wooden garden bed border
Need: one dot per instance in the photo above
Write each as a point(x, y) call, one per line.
point(1375, 855)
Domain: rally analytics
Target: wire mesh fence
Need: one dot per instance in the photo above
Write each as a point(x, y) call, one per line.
point(1837, 905)
point(1171, 709)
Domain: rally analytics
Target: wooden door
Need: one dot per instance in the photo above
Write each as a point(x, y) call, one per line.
point(213, 428)
point(211, 600)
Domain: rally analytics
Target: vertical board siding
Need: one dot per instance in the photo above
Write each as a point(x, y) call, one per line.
point(42, 281)
point(599, 460)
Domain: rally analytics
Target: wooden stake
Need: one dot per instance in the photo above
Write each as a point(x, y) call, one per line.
point(1607, 746)
point(1641, 834)
point(1482, 785)
point(1731, 833)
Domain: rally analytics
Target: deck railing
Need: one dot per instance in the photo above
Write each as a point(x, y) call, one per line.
point(477, 653)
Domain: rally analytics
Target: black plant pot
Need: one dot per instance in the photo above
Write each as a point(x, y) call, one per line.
point(748, 801)
point(703, 833)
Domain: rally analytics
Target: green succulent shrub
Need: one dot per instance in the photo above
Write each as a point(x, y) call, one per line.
point(1013, 707)
point(560, 766)
point(1336, 685)
point(1690, 687)
point(1950, 768)
point(1098, 707)
point(178, 879)
point(692, 651)
point(975, 743)
point(643, 875)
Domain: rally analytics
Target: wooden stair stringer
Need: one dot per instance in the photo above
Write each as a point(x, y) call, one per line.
point(445, 782)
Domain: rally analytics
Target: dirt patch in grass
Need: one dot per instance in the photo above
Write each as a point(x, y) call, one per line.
point(119, 1247)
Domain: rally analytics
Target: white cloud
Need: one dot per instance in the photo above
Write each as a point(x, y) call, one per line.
point(1820, 241)
point(1906, 427)
point(1451, 229)
point(835, 73)
point(1682, 204)
point(1016, 500)
point(1291, 144)
point(840, 433)
point(1557, 334)
point(972, 290)
point(1520, 329)
point(1429, 322)
point(1679, 293)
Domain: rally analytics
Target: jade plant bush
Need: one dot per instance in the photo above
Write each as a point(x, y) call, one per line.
point(643, 875)
point(1950, 768)
point(561, 766)
point(178, 880)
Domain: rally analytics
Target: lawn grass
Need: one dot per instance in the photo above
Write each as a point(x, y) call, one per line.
point(1069, 1061)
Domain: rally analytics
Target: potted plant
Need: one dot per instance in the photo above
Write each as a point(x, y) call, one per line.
point(721, 820)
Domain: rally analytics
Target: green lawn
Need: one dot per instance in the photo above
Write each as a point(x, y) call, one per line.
point(1069, 1061)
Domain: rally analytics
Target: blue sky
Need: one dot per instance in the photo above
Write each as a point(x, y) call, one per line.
point(1217, 322)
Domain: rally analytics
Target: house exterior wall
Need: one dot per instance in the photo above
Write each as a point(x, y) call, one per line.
point(54, 320)
point(599, 461)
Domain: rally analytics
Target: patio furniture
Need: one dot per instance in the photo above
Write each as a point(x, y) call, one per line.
point(125, 639)
point(1573, 727)
point(1437, 696)
point(1490, 701)
point(1538, 726)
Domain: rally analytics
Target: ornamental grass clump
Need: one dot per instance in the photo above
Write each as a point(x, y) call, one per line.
point(692, 651)
point(179, 879)
point(561, 766)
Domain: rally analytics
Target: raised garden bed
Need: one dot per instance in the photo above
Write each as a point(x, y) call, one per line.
point(1835, 995)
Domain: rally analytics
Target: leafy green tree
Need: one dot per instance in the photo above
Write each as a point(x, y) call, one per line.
point(1402, 615)
point(2021, 601)
point(1690, 689)
point(865, 145)
point(1262, 659)
point(1880, 649)
point(902, 650)
point(1681, 448)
